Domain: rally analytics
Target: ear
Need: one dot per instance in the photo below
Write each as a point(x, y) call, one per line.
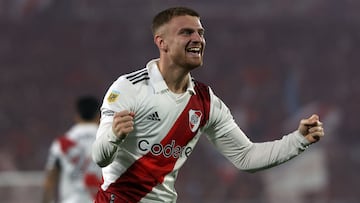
point(160, 43)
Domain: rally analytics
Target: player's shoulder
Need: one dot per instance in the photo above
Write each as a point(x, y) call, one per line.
point(63, 143)
point(200, 86)
point(137, 77)
point(199, 83)
point(129, 83)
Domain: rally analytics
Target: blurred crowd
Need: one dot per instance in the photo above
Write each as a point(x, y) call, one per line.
point(272, 62)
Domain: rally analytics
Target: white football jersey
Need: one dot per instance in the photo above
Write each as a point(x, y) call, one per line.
point(79, 177)
point(167, 127)
point(143, 166)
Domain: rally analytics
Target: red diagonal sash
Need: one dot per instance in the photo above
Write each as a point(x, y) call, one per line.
point(150, 170)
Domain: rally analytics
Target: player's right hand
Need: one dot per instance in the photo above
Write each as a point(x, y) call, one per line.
point(123, 123)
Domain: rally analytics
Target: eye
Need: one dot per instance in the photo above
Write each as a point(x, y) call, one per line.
point(186, 32)
point(201, 32)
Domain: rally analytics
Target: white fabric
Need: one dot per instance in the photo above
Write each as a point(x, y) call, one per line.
point(152, 95)
point(75, 163)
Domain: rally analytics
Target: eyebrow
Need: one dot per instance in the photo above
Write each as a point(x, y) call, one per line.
point(192, 29)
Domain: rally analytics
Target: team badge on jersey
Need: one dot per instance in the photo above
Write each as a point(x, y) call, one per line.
point(113, 96)
point(194, 119)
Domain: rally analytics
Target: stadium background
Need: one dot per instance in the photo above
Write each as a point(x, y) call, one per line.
point(271, 61)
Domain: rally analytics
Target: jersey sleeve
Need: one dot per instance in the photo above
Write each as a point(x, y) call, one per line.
point(233, 143)
point(120, 96)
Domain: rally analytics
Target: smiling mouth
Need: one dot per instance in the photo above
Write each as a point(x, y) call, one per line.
point(195, 50)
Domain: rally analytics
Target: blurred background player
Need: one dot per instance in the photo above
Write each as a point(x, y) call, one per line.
point(71, 176)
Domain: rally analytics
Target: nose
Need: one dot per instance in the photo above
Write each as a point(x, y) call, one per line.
point(197, 37)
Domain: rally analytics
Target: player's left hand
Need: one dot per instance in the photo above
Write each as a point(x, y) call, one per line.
point(311, 128)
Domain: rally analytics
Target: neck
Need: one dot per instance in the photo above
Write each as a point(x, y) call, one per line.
point(176, 78)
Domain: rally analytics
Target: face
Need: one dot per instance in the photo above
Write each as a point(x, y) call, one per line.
point(183, 41)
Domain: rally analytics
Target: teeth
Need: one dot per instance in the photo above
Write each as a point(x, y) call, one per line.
point(194, 49)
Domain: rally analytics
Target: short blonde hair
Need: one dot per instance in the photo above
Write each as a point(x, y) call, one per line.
point(166, 15)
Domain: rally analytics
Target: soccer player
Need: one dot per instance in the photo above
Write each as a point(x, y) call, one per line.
point(152, 119)
point(71, 175)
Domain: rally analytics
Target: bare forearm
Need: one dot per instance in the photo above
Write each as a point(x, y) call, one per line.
point(50, 185)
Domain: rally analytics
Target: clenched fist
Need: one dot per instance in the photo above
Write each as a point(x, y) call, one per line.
point(123, 123)
point(311, 128)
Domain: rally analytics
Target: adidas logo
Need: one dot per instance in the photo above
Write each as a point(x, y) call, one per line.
point(154, 116)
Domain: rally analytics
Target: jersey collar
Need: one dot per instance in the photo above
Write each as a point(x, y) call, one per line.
point(158, 81)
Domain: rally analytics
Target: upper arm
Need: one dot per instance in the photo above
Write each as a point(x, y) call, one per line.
point(120, 96)
point(221, 120)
